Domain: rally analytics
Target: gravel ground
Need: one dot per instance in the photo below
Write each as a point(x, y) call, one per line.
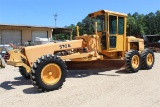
point(115, 88)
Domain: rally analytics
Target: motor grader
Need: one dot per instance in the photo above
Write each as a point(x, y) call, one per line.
point(46, 65)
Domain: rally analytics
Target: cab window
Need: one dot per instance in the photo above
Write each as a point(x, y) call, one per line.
point(120, 25)
point(100, 23)
point(112, 24)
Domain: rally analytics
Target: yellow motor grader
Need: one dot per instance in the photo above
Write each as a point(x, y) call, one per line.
point(46, 64)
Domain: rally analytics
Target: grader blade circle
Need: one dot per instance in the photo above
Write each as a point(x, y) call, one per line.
point(95, 65)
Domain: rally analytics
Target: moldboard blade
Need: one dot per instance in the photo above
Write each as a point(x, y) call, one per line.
point(95, 65)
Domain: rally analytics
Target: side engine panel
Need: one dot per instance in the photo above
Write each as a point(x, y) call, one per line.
point(134, 43)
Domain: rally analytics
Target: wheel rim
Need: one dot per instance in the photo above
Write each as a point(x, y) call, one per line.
point(135, 61)
point(51, 74)
point(149, 59)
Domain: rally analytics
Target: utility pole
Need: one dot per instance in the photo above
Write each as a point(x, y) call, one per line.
point(55, 18)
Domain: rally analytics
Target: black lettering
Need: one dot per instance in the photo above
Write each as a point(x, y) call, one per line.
point(64, 46)
point(69, 45)
point(60, 46)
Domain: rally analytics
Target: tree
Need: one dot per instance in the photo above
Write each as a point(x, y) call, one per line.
point(150, 23)
point(131, 25)
point(87, 25)
point(73, 27)
point(137, 24)
point(140, 24)
point(66, 35)
point(158, 21)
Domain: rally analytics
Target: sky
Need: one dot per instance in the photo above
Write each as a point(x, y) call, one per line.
point(41, 12)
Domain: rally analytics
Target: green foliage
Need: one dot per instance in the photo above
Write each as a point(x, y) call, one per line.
point(65, 36)
point(84, 27)
point(137, 24)
point(62, 36)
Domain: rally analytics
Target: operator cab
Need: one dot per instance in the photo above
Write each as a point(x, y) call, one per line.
point(111, 28)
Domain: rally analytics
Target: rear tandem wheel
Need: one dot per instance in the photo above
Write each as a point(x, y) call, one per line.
point(147, 59)
point(133, 61)
point(48, 73)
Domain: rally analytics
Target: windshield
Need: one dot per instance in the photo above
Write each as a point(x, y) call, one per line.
point(100, 22)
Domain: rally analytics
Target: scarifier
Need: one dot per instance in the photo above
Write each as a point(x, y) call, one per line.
point(46, 65)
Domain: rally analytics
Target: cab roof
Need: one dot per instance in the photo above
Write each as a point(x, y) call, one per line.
point(106, 11)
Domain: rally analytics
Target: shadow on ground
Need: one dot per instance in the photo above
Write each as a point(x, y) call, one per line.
point(8, 85)
point(32, 90)
point(86, 73)
point(19, 81)
point(122, 71)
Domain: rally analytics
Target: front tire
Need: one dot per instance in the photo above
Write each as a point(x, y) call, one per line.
point(48, 73)
point(23, 72)
point(147, 59)
point(133, 61)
